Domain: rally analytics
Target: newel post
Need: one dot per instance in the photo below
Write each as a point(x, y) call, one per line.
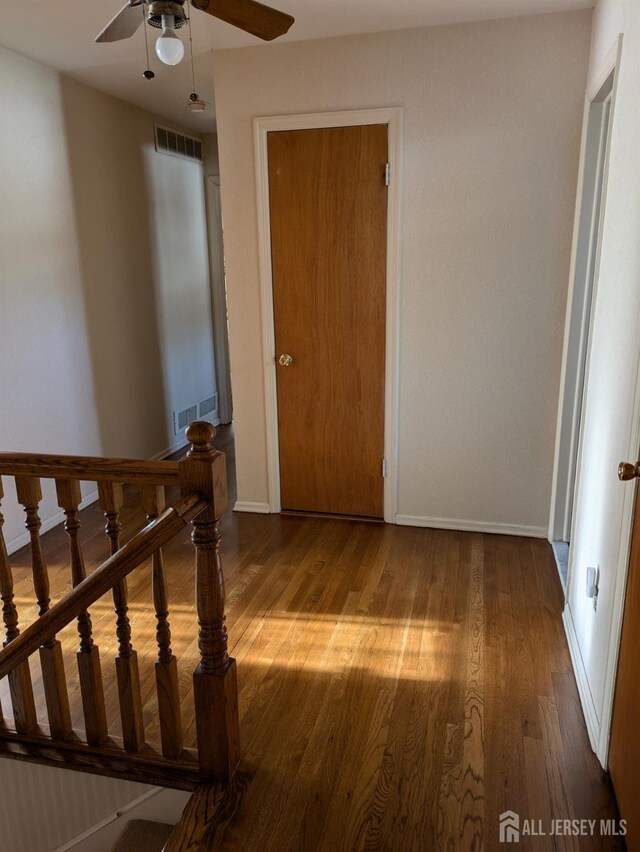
point(204, 472)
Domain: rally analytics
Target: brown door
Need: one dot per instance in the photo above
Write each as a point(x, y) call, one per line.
point(328, 203)
point(624, 752)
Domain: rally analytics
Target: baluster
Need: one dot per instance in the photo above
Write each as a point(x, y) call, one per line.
point(215, 686)
point(111, 501)
point(20, 686)
point(153, 503)
point(88, 655)
point(53, 677)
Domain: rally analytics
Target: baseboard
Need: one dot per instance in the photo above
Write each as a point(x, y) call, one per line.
point(156, 804)
point(169, 451)
point(471, 526)
point(20, 541)
point(579, 671)
point(253, 508)
point(435, 523)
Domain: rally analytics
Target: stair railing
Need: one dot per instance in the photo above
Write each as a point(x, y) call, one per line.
point(201, 477)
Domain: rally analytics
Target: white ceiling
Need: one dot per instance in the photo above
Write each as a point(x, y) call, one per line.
point(60, 33)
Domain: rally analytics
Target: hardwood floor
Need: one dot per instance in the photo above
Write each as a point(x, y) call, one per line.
point(399, 688)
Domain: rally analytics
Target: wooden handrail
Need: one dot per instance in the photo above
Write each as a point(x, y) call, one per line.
point(90, 468)
point(130, 556)
point(201, 478)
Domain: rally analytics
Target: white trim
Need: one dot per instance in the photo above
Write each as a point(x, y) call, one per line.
point(602, 729)
point(564, 482)
point(391, 116)
point(55, 520)
point(169, 451)
point(89, 832)
point(610, 63)
point(580, 673)
point(471, 526)
point(252, 508)
point(626, 530)
point(619, 594)
point(156, 804)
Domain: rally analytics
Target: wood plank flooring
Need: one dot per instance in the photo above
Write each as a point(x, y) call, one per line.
point(399, 688)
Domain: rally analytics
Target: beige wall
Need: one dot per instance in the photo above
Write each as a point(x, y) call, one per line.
point(611, 431)
point(492, 116)
point(105, 321)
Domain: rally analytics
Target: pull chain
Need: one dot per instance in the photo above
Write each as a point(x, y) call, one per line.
point(148, 74)
point(195, 103)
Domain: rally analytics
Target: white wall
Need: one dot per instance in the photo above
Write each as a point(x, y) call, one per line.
point(610, 425)
point(42, 808)
point(48, 400)
point(105, 319)
point(492, 116)
point(104, 329)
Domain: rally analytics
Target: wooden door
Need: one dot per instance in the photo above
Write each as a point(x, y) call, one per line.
point(328, 204)
point(624, 751)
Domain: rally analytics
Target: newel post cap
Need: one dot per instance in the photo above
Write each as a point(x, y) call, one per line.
point(200, 435)
point(203, 471)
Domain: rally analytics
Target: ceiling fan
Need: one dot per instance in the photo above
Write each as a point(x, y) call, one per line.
point(169, 15)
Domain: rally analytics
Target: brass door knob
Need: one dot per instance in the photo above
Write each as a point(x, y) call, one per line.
point(627, 471)
point(285, 360)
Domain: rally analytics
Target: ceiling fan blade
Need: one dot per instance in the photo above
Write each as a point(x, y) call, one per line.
point(124, 25)
point(248, 15)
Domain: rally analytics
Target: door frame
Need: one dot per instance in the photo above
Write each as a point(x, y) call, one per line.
point(392, 117)
point(579, 316)
point(626, 529)
point(599, 729)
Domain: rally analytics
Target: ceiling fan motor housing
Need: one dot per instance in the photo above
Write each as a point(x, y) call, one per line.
point(159, 8)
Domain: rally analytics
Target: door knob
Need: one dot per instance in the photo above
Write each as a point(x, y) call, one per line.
point(285, 360)
point(627, 471)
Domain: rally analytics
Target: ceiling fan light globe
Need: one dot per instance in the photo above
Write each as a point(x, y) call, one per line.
point(169, 48)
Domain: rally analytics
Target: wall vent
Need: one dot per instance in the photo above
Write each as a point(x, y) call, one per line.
point(181, 419)
point(208, 406)
point(176, 144)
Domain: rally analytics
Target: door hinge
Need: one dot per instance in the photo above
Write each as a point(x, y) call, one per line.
point(387, 174)
point(384, 468)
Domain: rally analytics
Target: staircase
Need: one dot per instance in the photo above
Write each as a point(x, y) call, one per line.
point(173, 495)
point(143, 836)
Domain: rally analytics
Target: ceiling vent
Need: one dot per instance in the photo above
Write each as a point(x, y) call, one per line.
point(176, 144)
